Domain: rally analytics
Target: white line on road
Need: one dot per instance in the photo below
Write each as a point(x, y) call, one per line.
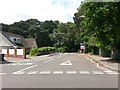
point(108, 71)
point(75, 54)
point(48, 60)
point(2, 73)
point(28, 63)
point(97, 72)
point(71, 72)
point(24, 69)
point(19, 72)
point(100, 67)
point(14, 64)
point(113, 73)
point(58, 72)
point(20, 64)
point(32, 72)
point(45, 72)
point(84, 72)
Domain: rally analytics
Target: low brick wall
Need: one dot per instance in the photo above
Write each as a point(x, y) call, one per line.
point(16, 53)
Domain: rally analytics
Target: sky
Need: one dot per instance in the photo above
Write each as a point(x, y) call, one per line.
point(16, 10)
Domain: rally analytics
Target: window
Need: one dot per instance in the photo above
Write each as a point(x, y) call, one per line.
point(18, 40)
point(14, 39)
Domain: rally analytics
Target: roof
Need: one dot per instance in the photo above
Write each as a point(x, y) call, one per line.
point(7, 35)
point(4, 41)
point(27, 43)
point(31, 42)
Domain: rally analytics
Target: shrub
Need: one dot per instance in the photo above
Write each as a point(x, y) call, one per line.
point(61, 49)
point(41, 51)
point(33, 52)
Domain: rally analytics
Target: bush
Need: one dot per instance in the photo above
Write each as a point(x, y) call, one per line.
point(33, 52)
point(61, 49)
point(116, 55)
point(41, 51)
point(93, 50)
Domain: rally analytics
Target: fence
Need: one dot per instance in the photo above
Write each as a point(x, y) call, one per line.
point(16, 53)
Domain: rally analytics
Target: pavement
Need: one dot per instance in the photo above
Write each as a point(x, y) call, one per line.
point(104, 61)
point(28, 58)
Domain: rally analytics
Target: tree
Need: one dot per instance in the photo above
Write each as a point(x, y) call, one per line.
point(64, 36)
point(101, 24)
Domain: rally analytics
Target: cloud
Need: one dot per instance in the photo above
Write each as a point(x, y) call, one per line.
point(16, 10)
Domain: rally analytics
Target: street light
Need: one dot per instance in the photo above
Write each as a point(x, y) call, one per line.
point(82, 16)
point(82, 45)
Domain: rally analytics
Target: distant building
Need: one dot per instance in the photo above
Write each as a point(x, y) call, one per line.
point(31, 43)
point(10, 40)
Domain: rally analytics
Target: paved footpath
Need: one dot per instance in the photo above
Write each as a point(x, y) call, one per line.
point(104, 61)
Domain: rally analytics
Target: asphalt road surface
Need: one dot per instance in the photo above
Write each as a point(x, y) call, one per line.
point(66, 70)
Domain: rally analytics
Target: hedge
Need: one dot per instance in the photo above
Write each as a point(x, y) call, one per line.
point(40, 51)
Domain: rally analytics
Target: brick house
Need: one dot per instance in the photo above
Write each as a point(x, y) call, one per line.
point(13, 41)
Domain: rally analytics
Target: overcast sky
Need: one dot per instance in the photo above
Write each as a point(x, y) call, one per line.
point(15, 10)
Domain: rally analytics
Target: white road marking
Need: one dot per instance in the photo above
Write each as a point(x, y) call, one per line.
point(2, 73)
point(100, 67)
point(60, 53)
point(45, 72)
point(113, 73)
point(97, 72)
point(24, 69)
point(98, 64)
point(66, 63)
point(28, 63)
point(61, 72)
point(75, 54)
point(19, 72)
point(14, 64)
point(84, 72)
point(108, 71)
point(32, 72)
point(92, 61)
point(57, 72)
point(71, 72)
point(48, 60)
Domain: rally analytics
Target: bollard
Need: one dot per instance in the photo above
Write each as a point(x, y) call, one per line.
point(1, 58)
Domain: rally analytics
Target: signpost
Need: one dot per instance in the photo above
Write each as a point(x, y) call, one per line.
point(82, 47)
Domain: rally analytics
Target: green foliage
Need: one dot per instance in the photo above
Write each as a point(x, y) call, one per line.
point(64, 36)
point(100, 25)
point(33, 52)
point(94, 50)
point(41, 51)
point(33, 28)
point(116, 55)
point(61, 49)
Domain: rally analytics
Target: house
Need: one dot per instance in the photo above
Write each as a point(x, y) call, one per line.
point(31, 43)
point(14, 41)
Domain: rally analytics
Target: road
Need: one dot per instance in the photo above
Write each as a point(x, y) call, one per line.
point(66, 70)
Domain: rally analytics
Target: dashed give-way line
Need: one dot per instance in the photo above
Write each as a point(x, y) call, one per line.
point(66, 72)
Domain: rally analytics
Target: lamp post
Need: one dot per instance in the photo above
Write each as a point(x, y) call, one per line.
point(82, 45)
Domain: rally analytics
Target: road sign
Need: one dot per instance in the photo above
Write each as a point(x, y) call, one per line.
point(82, 46)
